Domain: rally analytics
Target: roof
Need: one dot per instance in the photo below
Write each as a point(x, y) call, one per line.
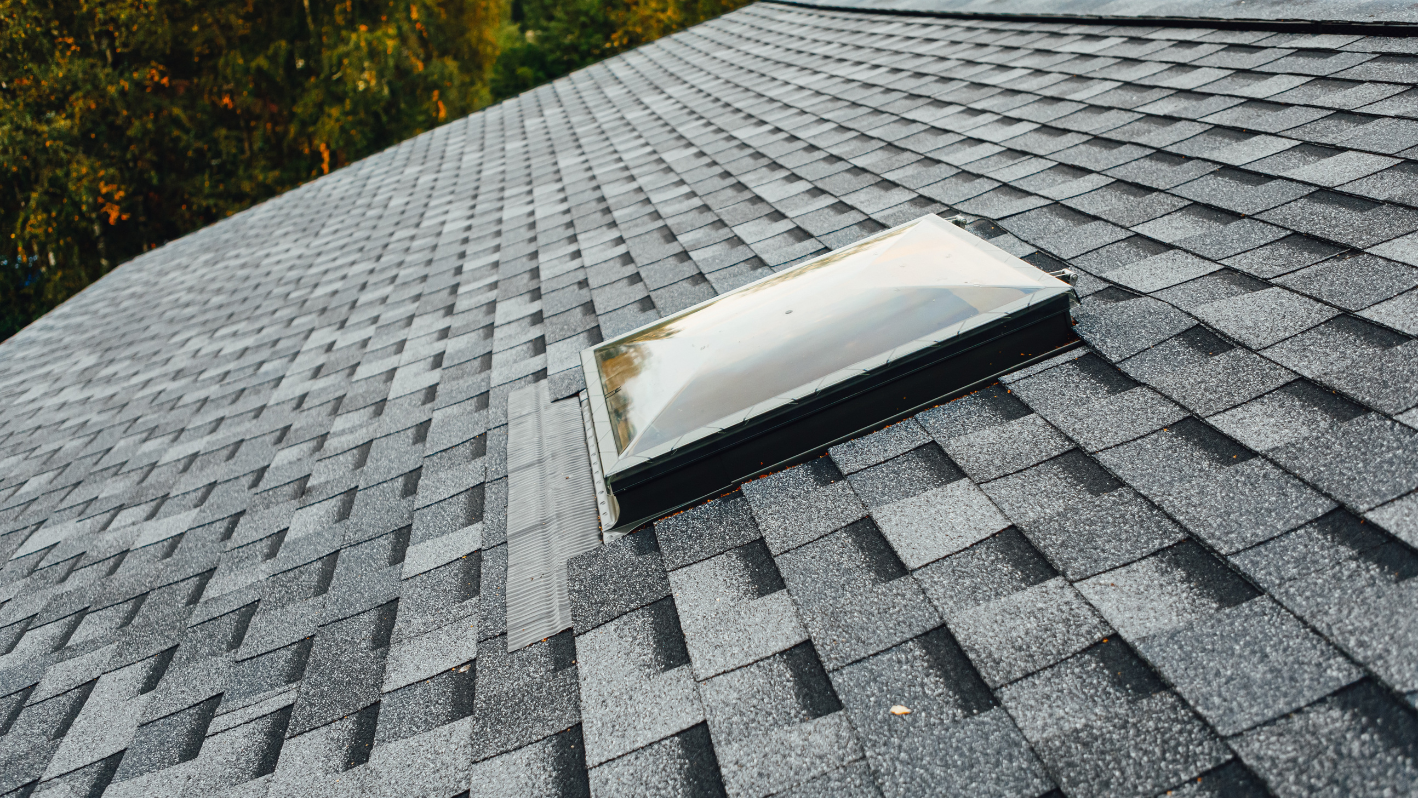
point(1381, 17)
point(253, 491)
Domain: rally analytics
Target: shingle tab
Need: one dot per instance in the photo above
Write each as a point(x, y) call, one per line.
point(633, 669)
point(733, 610)
point(795, 731)
point(956, 736)
point(1389, 474)
point(1354, 603)
point(854, 595)
point(1102, 723)
point(1238, 658)
point(1357, 740)
point(801, 504)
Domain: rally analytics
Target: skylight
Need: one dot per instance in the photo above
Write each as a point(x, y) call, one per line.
point(784, 367)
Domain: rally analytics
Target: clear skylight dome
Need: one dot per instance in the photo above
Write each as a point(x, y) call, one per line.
point(696, 389)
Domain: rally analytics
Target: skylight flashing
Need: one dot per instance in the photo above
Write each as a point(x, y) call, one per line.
point(652, 392)
point(604, 500)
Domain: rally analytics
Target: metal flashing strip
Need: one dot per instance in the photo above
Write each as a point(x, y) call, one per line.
point(605, 503)
point(551, 511)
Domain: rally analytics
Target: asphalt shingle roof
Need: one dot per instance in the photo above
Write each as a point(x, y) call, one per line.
point(253, 487)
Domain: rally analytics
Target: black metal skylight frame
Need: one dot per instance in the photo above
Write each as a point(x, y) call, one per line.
point(794, 425)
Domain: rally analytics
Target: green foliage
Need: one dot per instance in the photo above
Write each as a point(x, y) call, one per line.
point(556, 37)
point(127, 123)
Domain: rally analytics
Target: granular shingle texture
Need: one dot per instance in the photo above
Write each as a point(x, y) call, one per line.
point(253, 484)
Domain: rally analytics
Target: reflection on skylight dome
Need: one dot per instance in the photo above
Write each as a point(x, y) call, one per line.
point(792, 329)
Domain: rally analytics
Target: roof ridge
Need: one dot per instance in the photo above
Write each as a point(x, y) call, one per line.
point(1392, 19)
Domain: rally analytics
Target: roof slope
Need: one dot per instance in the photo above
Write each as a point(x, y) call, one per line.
point(1326, 16)
point(253, 494)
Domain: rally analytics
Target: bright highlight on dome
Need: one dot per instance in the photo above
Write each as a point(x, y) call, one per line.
point(795, 362)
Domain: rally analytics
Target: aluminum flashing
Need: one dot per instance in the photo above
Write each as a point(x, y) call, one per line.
point(598, 479)
point(736, 385)
point(551, 511)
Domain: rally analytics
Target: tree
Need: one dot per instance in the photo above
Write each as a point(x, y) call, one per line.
point(127, 123)
point(550, 38)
